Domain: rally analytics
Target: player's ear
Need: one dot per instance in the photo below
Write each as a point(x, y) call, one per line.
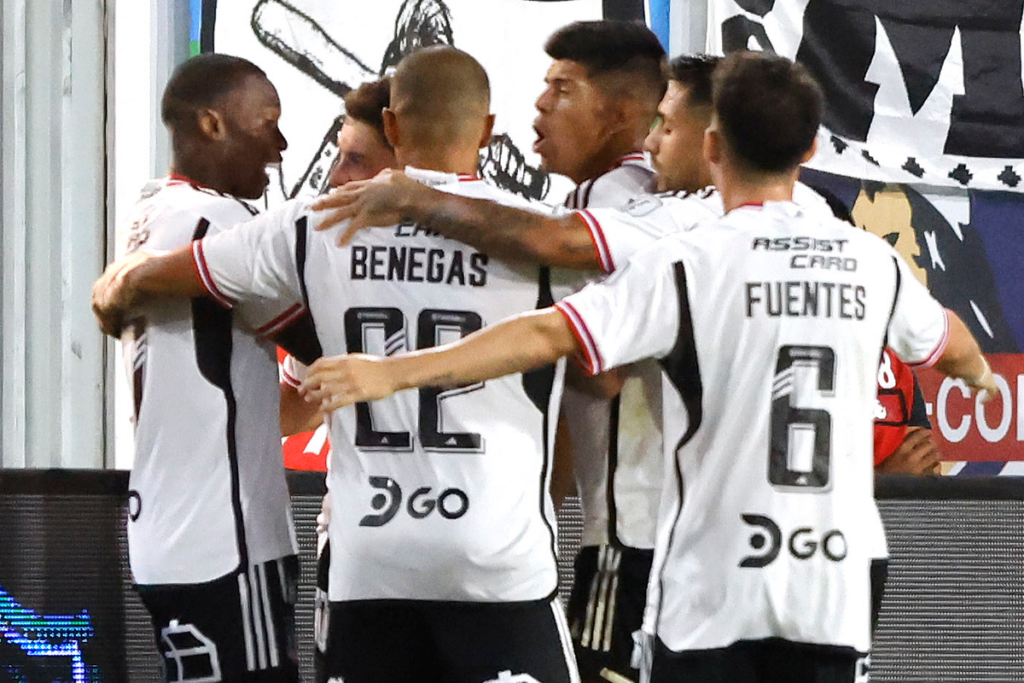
point(811, 152)
point(712, 146)
point(391, 128)
point(211, 124)
point(485, 138)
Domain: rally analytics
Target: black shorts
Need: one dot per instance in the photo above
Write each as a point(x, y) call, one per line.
point(879, 575)
point(237, 628)
point(606, 606)
point(321, 614)
point(772, 660)
point(410, 641)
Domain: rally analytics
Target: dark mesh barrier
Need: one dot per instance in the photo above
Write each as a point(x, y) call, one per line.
point(953, 608)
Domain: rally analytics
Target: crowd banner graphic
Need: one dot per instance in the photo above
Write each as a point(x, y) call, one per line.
point(923, 144)
point(928, 91)
point(315, 52)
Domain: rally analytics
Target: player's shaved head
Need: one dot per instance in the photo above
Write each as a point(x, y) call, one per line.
point(442, 96)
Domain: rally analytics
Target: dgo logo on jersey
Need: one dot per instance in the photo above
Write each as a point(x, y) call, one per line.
point(451, 503)
point(803, 543)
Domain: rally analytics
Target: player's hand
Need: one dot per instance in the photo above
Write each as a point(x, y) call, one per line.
point(111, 294)
point(918, 454)
point(984, 384)
point(338, 381)
point(367, 203)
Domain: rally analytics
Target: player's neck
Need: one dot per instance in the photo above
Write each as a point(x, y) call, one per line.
point(460, 161)
point(607, 158)
point(202, 173)
point(738, 189)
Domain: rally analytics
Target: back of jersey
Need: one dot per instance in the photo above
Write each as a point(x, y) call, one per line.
point(788, 315)
point(437, 494)
point(208, 492)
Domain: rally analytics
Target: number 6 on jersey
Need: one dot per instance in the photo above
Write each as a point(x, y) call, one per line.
point(799, 432)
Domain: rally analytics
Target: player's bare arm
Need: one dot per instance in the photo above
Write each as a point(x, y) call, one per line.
point(297, 415)
point(129, 280)
point(918, 455)
point(606, 385)
point(962, 359)
point(518, 344)
point(500, 231)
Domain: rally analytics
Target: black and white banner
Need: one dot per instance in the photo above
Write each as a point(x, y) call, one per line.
point(315, 51)
point(918, 91)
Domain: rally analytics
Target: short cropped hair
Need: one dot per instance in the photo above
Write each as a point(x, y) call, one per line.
point(366, 104)
point(768, 109)
point(200, 83)
point(624, 56)
point(695, 72)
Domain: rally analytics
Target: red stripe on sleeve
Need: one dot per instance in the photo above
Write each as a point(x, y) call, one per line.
point(199, 261)
point(604, 254)
point(593, 364)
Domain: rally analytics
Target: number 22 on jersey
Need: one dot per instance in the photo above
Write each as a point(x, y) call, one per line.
point(431, 324)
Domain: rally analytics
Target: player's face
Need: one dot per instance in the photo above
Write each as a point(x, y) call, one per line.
point(676, 142)
point(573, 121)
point(362, 154)
point(253, 139)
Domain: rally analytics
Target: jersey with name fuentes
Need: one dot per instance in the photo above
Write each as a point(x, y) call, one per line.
point(629, 448)
point(764, 533)
point(437, 493)
point(208, 491)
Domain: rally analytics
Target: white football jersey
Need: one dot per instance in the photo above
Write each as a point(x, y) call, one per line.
point(769, 323)
point(208, 491)
point(617, 444)
point(435, 494)
point(620, 488)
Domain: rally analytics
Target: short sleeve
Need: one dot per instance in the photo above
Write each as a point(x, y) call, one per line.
point(293, 373)
point(255, 260)
point(617, 235)
point(632, 315)
point(919, 328)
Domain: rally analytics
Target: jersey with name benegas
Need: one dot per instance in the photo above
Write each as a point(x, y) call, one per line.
point(208, 492)
point(436, 494)
point(765, 531)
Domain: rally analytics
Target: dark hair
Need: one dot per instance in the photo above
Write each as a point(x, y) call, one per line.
point(768, 109)
point(366, 104)
point(199, 83)
point(695, 72)
point(626, 49)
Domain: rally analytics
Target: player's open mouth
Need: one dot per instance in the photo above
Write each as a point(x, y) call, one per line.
point(539, 141)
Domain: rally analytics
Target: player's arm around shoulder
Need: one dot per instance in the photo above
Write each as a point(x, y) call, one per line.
point(505, 232)
point(517, 344)
point(128, 281)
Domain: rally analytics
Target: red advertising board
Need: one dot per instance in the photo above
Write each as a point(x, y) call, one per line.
point(966, 430)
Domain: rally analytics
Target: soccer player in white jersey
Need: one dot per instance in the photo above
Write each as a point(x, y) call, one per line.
point(210, 535)
point(619, 463)
point(363, 152)
point(770, 323)
point(442, 529)
point(599, 103)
